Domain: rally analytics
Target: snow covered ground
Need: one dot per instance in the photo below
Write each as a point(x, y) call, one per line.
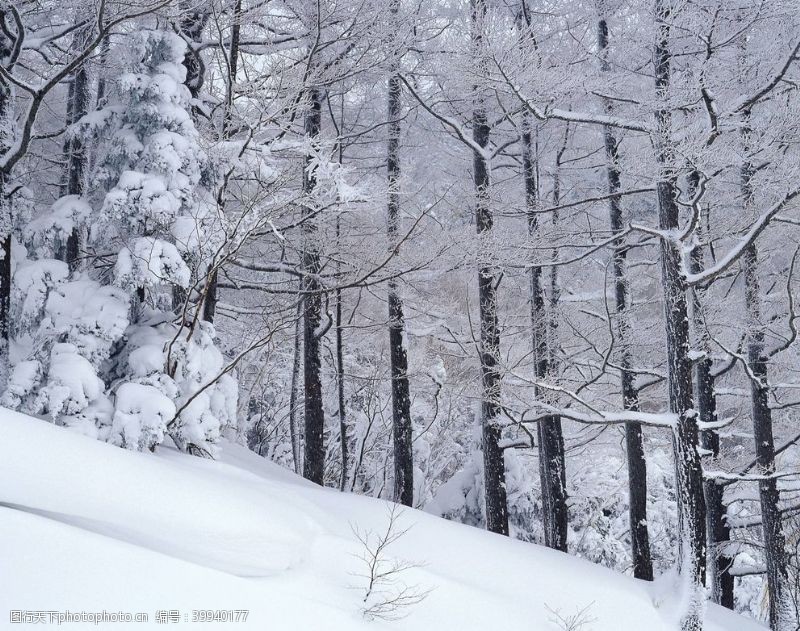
point(85, 526)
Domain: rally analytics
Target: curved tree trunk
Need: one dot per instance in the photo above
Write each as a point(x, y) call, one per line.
point(194, 17)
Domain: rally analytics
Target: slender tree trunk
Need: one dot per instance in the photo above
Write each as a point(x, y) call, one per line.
point(689, 475)
point(5, 266)
point(780, 618)
point(552, 465)
point(102, 61)
point(719, 533)
point(488, 279)
point(342, 412)
point(552, 469)
point(719, 561)
point(6, 223)
point(293, 388)
point(210, 301)
point(192, 22)
point(398, 358)
point(314, 455)
point(75, 151)
point(634, 448)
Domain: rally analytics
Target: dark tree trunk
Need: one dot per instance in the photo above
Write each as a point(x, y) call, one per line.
point(769, 497)
point(102, 63)
point(488, 278)
point(293, 388)
point(689, 475)
point(342, 412)
point(719, 533)
point(552, 470)
point(233, 69)
point(314, 453)
point(401, 399)
point(194, 17)
point(5, 271)
point(552, 461)
point(634, 448)
point(718, 559)
point(192, 22)
point(6, 223)
point(75, 150)
point(210, 301)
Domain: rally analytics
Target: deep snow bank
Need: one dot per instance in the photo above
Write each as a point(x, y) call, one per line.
point(85, 526)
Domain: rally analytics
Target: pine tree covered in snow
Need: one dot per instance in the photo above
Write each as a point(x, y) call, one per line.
point(118, 350)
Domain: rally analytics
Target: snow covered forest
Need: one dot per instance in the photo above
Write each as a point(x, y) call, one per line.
point(527, 265)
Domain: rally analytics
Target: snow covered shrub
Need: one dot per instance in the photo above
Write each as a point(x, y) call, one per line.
point(34, 280)
point(181, 367)
point(461, 498)
point(141, 414)
point(149, 262)
point(599, 528)
point(71, 382)
point(50, 231)
point(64, 331)
point(89, 315)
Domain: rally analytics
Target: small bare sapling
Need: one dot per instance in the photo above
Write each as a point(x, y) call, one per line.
point(581, 620)
point(387, 594)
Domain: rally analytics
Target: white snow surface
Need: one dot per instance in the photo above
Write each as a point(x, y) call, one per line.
point(86, 526)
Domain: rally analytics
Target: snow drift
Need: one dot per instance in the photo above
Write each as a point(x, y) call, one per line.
point(86, 526)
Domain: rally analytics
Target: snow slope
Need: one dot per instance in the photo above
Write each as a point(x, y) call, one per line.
point(87, 526)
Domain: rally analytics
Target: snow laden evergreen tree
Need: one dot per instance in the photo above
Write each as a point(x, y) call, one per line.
point(158, 208)
point(120, 349)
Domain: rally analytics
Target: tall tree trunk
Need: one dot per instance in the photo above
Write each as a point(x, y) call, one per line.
point(634, 448)
point(719, 533)
point(719, 561)
point(488, 280)
point(689, 475)
point(293, 388)
point(552, 466)
point(552, 469)
point(342, 411)
point(210, 301)
point(192, 22)
point(780, 615)
point(314, 453)
point(75, 151)
point(5, 265)
point(6, 223)
point(398, 358)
